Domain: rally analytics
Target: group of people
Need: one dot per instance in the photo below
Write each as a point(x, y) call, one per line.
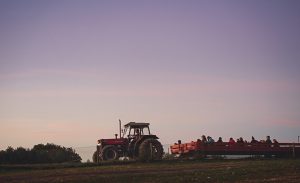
point(206, 140)
point(210, 140)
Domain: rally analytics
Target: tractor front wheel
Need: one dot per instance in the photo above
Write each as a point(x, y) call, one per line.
point(150, 150)
point(110, 153)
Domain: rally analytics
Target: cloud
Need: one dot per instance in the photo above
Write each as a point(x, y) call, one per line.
point(285, 122)
point(86, 83)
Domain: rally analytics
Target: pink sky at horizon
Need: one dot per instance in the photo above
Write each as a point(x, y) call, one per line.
point(69, 70)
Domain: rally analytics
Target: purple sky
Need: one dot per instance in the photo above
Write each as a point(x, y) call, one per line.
point(70, 69)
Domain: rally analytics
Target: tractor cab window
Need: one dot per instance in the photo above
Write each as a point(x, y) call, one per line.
point(133, 129)
point(136, 132)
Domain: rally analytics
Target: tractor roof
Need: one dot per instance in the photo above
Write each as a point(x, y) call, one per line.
point(136, 125)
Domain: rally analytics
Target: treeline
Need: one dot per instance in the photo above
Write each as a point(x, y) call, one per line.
point(49, 153)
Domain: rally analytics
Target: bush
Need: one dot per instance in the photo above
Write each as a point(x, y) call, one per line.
point(49, 153)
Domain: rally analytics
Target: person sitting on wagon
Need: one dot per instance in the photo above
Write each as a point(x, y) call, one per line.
point(231, 141)
point(253, 140)
point(240, 140)
point(198, 141)
point(268, 140)
point(204, 140)
point(210, 140)
point(275, 142)
point(220, 140)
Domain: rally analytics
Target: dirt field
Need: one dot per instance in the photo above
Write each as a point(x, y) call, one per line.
point(278, 170)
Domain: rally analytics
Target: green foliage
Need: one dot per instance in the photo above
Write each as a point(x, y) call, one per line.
point(49, 153)
point(168, 156)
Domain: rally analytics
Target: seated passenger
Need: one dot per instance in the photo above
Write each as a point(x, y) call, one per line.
point(220, 140)
point(253, 140)
point(204, 140)
point(240, 140)
point(275, 142)
point(210, 140)
point(268, 140)
point(231, 141)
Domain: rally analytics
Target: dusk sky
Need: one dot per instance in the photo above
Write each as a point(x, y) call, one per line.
point(70, 69)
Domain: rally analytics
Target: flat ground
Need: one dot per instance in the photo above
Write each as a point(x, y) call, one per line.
point(263, 170)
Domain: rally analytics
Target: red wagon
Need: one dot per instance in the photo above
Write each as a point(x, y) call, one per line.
point(224, 148)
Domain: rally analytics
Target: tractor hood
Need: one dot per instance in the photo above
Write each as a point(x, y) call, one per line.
point(112, 141)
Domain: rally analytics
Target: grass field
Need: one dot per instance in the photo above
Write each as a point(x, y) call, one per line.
point(259, 170)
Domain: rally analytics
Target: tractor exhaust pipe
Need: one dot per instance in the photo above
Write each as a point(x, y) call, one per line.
point(120, 127)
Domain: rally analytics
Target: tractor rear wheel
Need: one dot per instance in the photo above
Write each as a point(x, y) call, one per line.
point(109, 153)
point(150, 150)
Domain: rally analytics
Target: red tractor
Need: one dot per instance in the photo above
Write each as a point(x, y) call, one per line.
point(136, 143)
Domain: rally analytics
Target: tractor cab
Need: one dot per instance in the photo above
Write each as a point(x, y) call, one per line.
point(134, 130)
